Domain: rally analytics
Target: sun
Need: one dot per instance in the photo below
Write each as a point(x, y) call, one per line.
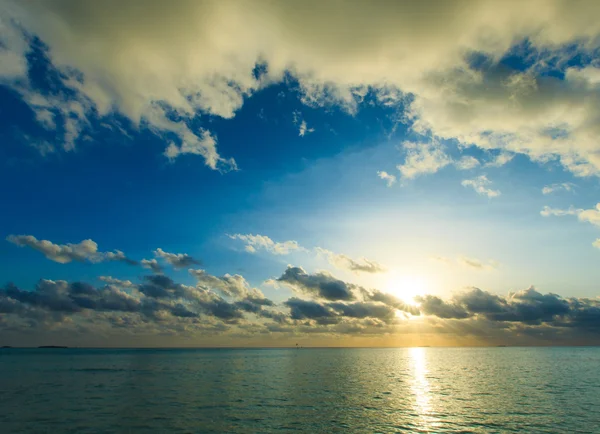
point(407, 287)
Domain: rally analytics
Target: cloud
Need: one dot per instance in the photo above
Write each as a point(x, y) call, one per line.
point(585, 215)
point(344, 262)
point(339, 260)
point(320, 285)
point(389, 179)
point(302, 125)
point(528, 307)
point(565, 186)
point(480, 184)
point(422, 159)
point(324, 286)
point(500, 160)
point(467, 163)
point(178, 60)
point(116, 282)
point(334, 312)
point(86, 250)
point(202, 143)
point(152, 264)
point(263, 242)
point(304, 129)
point(464, 261)
point(548, 211)
point(176, 260)
point(476, 263)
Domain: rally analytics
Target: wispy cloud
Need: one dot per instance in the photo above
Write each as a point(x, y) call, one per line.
point(389, 179)
point(422, 159)
point(263, 242)
point(468, 262)
point(480, 185)
point(302, 125)
point(338, 260)
point(565, 186)
point(467, 163)
point(342, 261)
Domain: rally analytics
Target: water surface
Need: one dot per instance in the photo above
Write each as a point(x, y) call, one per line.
point(545, 390)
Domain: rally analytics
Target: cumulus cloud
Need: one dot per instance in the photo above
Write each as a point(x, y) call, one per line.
point(480, 185)
point(467, 163)
point(322, 285)
point(263, 242)
point(229, 305)
point(86, 250)
point(422, 159)
point(176, 260)
point(389, 179)
point(500, 160)
point(529, 307)
point(176, 60)
point(152, 264)
point(564, 186)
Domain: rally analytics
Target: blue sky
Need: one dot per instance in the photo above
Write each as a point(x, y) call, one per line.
point(423, 169)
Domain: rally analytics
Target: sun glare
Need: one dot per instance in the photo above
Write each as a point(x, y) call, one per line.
point(407, 287)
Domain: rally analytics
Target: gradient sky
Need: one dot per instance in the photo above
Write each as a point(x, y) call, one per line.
point(329, 173)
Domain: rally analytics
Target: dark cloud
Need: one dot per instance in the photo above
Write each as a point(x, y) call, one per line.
point(528, 307)
point(86, 250)
point(177, 260)
point(321, 285)
point(432, 305)
point(334, 312)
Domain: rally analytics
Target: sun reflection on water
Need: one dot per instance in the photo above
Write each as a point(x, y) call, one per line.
point(421, 388)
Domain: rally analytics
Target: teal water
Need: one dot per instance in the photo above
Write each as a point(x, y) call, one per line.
point(479, 390)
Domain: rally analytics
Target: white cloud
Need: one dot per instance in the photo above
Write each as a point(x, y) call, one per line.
point(480, 185)
point(500, 160)
point(116, 282)
point(339, 260)
point(548, 211)
point(590, 215)
point(200, 56)
point(262, 242)
point(302, 125)
point(203, 143)
point(566, 186)
point(584, 215)
point(389, 179)
point(422, 159)
point(304, 129)
point(467, 163)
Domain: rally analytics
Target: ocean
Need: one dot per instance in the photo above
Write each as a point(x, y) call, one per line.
point(467, 390)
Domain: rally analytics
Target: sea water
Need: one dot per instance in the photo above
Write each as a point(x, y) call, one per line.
point(479, 390)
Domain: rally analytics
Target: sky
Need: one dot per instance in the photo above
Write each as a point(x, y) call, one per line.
point(340, 173)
